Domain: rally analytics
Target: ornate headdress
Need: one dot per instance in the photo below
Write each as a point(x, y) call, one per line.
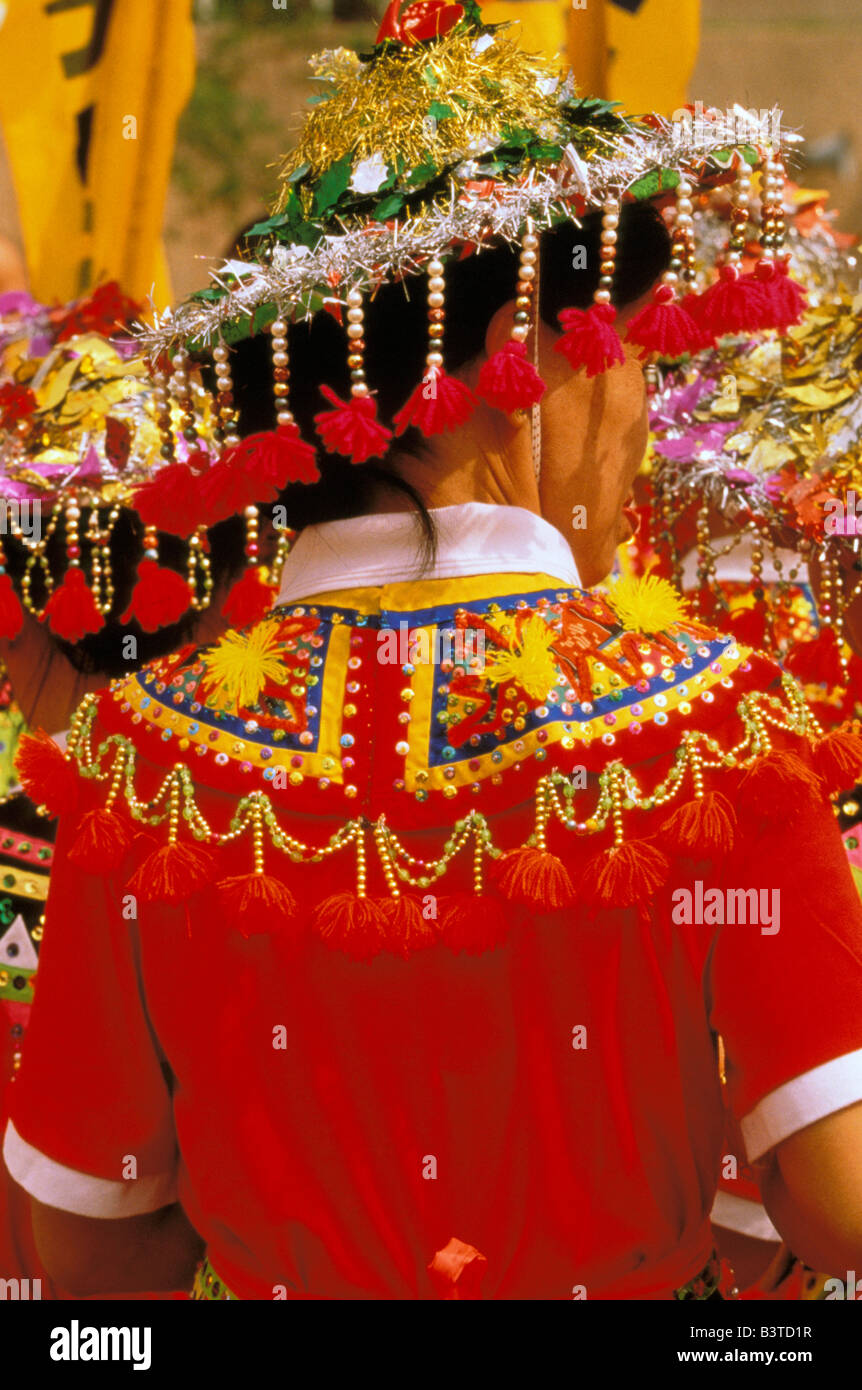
point(443, 139)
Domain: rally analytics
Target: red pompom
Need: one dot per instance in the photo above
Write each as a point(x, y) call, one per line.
point(48, 775)
point(274, 459)
point(472, 923)
point(692, 303)
point(256, 904)
point(171, 501)
point(508, 381)
point(817, 662)
point(407, 930)
point(535, 877)
point(357, 926)
point(102, 841)
point(779, 784)
point(734, 304)
point(352, 427)
point(624, 874)
point(249, 600)
point(160, 597)
point(226, 491)
point(439, 403)
point(704, 826)
point(664, 327)
point(172, 873)
point(590, 339)
point(71, 611)
point(11, 612)
point(783, 300)
point(838, 759)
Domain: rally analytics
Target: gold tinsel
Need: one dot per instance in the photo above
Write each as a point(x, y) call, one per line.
point(384, 106)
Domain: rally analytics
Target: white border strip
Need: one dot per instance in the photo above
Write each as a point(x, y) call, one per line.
point(68, 1189)
point(812, 1096)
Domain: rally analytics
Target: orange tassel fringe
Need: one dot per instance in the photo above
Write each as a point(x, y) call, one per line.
point(102, 842)
point(705, 826)
point(172, 873)
point(838, 759)
point(776, 782)
point(48, 777)
point(356, 926)
point(534, 877)
point(624, 874)
point(256, 904)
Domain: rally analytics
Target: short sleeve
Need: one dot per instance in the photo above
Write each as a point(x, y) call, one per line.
point(786, 990)
point(91, 1126)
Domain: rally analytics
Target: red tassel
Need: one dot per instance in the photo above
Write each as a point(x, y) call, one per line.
point(838, 759)
point(817, 662)
point(508, 381)
point(692, 303)
point(590, 339)
point(172, 873)
point(11, 612)
point(664, 327)
point(356, 926)
point(472, 923)
point(274, 458)
point(734, 304)
point(48, 775)
point(352, 427)
point(256, 904)
point(748, 626)
point(784, 301)
point(407, 930)
point(705, 826)
point(171, 501)
point(226, 491)
point(534, 877)
point(249, 600)
point(102, 842)
point(440, 402)
point(624, 874)
point(160, 597)
point(71, 610)
point(778, 783)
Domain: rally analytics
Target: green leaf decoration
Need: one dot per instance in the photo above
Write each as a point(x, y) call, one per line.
point(389, 207)
point(440, 111)
point(299, 173)
point(658, 181)
point(332, 184)
point(272, 224)
point(263, 315)
point(431, 78)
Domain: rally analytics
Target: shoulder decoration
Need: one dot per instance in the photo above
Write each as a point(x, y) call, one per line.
point(612, 721)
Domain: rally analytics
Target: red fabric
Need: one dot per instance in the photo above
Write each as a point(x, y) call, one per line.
point(563, 1166)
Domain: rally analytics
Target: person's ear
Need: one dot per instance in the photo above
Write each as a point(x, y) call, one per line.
point(499, 330)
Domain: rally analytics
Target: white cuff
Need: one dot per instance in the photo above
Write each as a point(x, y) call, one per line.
point(812, 1096)
point(741, 1214)
point(55, 1185)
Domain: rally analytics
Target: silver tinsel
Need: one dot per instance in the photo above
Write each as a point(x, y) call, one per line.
point(296, 280)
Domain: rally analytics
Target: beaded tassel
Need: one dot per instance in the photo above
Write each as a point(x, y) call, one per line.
point(782, 300)
point(256, 903)
point(664, 325)
point(440, 402)
point(160, 596)
point(734, 304)
point(352, 427)
point(225, 432)
point(590, 339)
point(254, 593)
point(71, 612)
point(507, 379)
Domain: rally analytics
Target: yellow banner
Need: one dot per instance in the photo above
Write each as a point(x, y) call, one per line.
point(652, 50)
point(90, 94)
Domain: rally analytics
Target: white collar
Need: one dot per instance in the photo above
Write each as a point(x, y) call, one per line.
point(473, 538)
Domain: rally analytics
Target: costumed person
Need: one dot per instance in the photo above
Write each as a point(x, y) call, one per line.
point(754, 453)
point(82, 597)
point(404, 974)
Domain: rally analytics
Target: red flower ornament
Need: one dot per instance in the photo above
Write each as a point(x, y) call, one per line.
point(426, 19)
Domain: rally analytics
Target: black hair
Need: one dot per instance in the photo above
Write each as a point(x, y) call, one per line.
point(396, 343)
